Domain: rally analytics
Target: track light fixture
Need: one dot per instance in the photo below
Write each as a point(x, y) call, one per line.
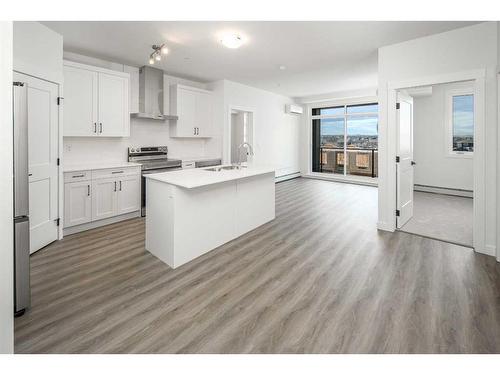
point(158, 51)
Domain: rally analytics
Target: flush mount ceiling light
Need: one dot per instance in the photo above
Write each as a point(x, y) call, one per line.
point(158, 50)
point(232, 41)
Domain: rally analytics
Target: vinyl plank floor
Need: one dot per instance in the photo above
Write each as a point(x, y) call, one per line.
point(319, 278)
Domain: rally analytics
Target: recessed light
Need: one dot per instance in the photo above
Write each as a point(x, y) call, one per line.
point(282, 67)
point(232, 40)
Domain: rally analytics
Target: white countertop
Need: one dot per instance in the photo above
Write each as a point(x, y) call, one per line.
point(104, 165)
point(193, 178)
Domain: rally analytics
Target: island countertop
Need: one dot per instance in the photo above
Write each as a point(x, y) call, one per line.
point(198, 177)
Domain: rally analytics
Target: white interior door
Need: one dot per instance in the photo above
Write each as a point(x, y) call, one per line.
point(42, 156)
point(404, 167)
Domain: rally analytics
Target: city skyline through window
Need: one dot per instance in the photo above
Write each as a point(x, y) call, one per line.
point(345, 139)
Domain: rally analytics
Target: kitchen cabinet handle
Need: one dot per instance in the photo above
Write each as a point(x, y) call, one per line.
point(114, 172)
point(77, 175)
point(88, 190)
point(120, 186)
point(194, 131)
point(100, 127)
point(115, 185)
point(95, 127)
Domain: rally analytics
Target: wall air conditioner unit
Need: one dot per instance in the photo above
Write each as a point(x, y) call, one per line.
point(294, 109)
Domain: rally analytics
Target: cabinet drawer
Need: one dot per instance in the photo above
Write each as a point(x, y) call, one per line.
point(77, 176)
point(115, 172)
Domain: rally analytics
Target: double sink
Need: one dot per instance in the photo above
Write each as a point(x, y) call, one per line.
point(225, 168)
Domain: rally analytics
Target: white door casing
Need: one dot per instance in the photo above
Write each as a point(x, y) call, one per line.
point(43, 138)
point(404, 167)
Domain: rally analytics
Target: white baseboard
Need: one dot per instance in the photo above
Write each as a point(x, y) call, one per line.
point(100, 223)
point(287, 177)
point(490, 250)
point(382, 225)
point(441, 190)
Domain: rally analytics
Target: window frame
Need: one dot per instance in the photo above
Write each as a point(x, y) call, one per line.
point(345, 116)
point(449, 94)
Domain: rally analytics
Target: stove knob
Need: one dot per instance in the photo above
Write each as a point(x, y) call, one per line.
point(131, 150)
point(137, 150)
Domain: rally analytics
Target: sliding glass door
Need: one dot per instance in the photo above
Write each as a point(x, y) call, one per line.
point(345, 140)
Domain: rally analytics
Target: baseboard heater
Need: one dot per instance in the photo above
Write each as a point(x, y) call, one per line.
point(444, 190)
point(287, 177)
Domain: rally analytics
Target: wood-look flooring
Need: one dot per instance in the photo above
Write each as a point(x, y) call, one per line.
point(319, 278)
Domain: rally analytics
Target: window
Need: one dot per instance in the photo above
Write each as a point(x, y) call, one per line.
point(345, 139)
point(460, 129)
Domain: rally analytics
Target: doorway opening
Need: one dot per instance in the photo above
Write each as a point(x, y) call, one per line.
point(435, 161)
point(242, 136)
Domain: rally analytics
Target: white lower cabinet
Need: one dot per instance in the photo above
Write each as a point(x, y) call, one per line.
point(77, 203)
point(129, 189)
point(103, 198)
point(107, 193)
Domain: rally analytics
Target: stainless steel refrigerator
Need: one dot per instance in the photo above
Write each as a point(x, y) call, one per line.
point(21, 200)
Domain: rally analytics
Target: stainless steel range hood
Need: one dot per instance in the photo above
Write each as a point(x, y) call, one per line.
point(151, 95)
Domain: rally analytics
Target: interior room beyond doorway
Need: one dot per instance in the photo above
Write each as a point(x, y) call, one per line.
point(443, 151)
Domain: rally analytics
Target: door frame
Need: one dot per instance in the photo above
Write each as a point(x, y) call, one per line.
point(479, 205)
point(227, 143)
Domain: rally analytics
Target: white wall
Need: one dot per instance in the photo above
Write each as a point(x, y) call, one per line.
point(276, 133)
point(38, 51)
point(143, 132)
point(6, 204)
point(435, 167)
point(465, 49)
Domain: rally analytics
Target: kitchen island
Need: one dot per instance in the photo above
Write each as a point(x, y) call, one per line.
point(193, 211)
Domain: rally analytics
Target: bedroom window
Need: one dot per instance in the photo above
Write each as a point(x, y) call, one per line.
point(460, 129)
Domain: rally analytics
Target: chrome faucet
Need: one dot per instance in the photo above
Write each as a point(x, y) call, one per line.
point(250, 151)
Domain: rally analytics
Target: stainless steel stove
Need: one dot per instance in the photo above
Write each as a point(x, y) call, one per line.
point(153, 160)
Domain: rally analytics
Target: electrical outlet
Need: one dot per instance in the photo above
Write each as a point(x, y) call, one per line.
point(67, 148)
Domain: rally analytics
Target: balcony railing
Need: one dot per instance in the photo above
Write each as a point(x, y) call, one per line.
point(360, 161)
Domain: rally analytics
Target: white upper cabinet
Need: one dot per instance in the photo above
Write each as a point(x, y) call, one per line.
point(80, 103)
point(194, 108)
point(96, 101)
point(114, 114)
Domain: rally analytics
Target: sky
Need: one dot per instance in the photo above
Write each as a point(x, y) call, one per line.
point(357, 126)
point(463, 115)
point(463, 121)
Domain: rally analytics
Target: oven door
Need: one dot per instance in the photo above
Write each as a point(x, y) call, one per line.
point(143, 184)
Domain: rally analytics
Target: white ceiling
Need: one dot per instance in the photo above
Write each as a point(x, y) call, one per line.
point(320, 57)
